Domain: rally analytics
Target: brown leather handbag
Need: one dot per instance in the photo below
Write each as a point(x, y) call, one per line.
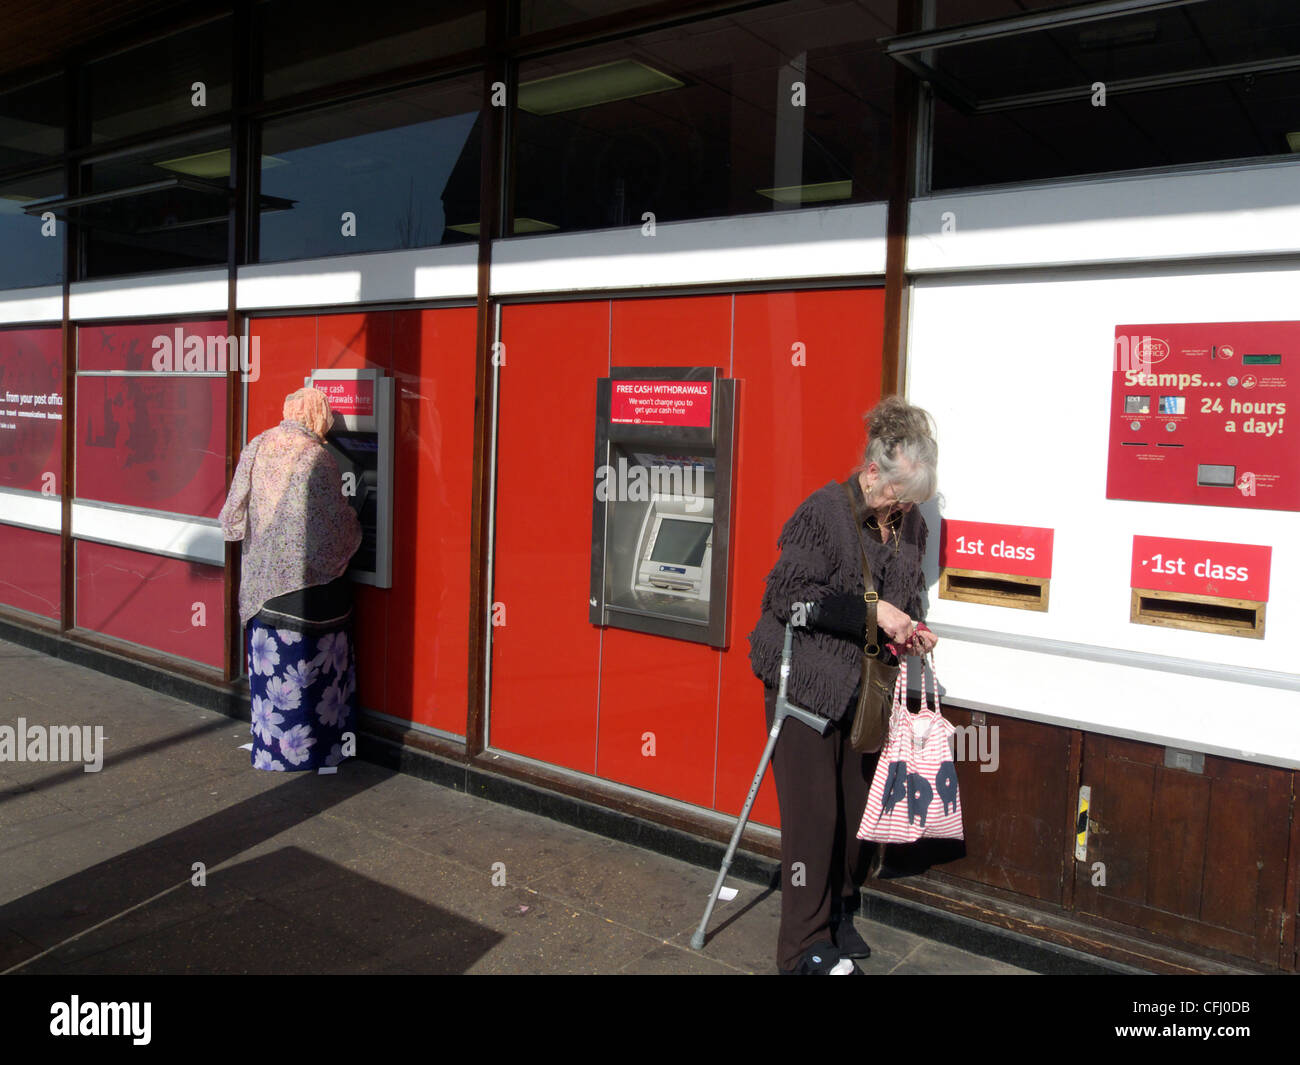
point(876, 695)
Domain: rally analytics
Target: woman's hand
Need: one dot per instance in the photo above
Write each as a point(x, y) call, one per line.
point(922, 641)
point(897, 625)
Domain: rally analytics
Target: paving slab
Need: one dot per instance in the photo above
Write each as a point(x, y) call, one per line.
point(363, 871)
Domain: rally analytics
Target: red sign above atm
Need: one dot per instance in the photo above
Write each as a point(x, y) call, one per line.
point(662, 403)
point(1203, 414)
point(1201, 567)
point(1017, 549)
point(349, 396)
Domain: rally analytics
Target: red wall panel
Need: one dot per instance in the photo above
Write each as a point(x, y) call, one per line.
point(150, 600)
point(428, 639)
point(412, 639)
point(355, 341)
point(800, 426)
point(545, 658)
point(287, 349)
point(652, 684)
point(29, 570)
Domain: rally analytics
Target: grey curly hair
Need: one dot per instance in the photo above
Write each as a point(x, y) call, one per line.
point(900, 441)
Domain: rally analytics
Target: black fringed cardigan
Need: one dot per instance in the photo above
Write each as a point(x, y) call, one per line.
point(820, 556)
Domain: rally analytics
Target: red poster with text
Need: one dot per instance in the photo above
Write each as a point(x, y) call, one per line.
point(354, 396)
point(662, 403)
point(1201, 567)
point(1203, 414)
point(1022, 550)
point(31, 409)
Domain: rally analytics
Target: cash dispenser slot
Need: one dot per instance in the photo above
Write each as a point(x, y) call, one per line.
point(1203, 613)
point(994, 589)
point(661, 507)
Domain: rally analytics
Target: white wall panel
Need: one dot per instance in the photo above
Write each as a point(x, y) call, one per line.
point(379, 277)
point(1017, 372)
point(44, 304)
point(178, 537)
point(1209, 214)
point(805, 243)
point(190, 292)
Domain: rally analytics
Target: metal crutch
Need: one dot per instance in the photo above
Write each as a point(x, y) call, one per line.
point(784, 709)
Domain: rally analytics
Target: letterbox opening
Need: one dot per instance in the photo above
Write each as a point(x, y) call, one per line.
point(1181, 610)
point(994, 589)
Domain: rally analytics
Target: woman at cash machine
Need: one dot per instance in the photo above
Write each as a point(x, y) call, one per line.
point(821, 783)
point(286, 504)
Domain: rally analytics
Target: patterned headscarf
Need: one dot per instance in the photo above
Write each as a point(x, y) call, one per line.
point(286, 503)
point(309, 408)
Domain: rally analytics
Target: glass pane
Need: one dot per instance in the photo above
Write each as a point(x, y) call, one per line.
point(154, 86)
point(310, 43)
point(30, 256)
point(1194, 114)
point(397, 171)
point(1177, 126)
point(31, 124)
point(183, 226)
point(157, 442)
point(1173, 41)
point(777, 108)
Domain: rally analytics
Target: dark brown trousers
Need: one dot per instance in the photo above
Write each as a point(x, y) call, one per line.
point(821, 787)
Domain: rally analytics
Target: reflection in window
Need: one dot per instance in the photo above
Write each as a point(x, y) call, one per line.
point(153, 86)
point(31, 124)
point(30, 257)
point(182, 225)
point(776, 108)
point(307, 44)
point(392, 172)
point(1184, 84)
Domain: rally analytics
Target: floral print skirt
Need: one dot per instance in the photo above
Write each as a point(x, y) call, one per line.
point(303, 689)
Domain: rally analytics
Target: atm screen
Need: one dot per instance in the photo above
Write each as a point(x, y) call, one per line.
point(681, 542)
point(357, 444)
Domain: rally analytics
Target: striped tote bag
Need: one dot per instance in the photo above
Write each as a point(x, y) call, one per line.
point(914, 792)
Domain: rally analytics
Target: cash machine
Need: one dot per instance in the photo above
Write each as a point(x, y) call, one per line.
point(661, 503)
point(361, 442)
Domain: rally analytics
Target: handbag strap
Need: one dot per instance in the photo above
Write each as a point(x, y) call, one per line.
point(872, 598)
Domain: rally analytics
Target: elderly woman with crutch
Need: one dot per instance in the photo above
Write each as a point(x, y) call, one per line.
point(286, 504)
point(821, 781)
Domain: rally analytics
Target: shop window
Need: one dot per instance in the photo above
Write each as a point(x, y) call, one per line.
point(31, 124)
point(177, 79)
point(774, 108)
point(32, 245)
point(308, 44)
point(150, 438)
point(1063, 92)
point(164, 208)
point(396, 171)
